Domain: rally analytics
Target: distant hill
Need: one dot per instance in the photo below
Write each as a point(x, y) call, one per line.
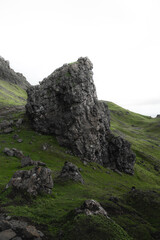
point(13, 87)
point(9, 75)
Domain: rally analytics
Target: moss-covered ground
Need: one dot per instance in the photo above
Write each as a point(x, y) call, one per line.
point(135, 213)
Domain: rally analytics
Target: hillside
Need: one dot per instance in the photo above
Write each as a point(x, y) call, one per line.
point(9, 75)
point(136, 212)
point(90, 199)
point(13, 87)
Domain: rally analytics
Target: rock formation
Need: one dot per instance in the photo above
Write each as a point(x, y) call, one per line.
point(9, 75)
point(18, 230)
point(91, 207)
point(70, 172)
point(65, 104)
point(32, 181)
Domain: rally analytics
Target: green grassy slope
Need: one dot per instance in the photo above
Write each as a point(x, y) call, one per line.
point(136, 214)
point(11, 94)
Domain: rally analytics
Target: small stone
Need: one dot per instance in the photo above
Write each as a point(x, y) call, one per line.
point(31, 232)
point(9, 152)
point(19, 140)
point(8, 130)
point(8, 218)
point(7, 234)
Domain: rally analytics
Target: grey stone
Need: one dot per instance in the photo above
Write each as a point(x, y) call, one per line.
point(4, 225)
point(31, 232)
point(8, 152)
point(32, 181)
point(7, 234)
point(91, 207)
point(65, 104)
point(27, 161)
point(19, 140)
point(8, 130)
point(70, 172)
point(19, 122)
point(17, 153)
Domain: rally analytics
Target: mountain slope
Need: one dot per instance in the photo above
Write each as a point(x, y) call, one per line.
point(9, 75)
point(133, 202)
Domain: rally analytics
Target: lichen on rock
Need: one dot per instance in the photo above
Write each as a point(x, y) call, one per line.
point(66, 105)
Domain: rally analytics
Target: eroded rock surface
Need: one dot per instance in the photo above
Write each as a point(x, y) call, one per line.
point(91, 207)
point(70, 172)
point(65, 104)
point(32, 181)
point(18, 230)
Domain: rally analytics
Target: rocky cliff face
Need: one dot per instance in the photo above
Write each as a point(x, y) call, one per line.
point(65, 104)
point(8, 74)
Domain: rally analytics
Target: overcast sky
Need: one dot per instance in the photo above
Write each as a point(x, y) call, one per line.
point(121, 38)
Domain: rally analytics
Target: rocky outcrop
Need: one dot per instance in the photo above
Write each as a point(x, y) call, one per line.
point(34, 181)
point(91, 207)
point(9, 75)
point(65, 104)
point(70, 172)
point(18, 229)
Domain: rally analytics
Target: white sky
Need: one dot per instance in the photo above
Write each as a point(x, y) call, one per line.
point(121, 38)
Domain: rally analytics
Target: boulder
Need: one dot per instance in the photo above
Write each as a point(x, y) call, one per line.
point(91, 207)
point(70, 172)
point(65, 104)
point(18, 230)
point(9, 152)
point(13, 152)
point(32, 181)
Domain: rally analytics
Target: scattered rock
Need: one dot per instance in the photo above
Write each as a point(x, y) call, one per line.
point(19, 122)
point(91, 207)
point(32, 181)
point(9, 152)
point(65, 104)
point(18, 230)
point(7, 234)
point(45, 146)
point(19, 140)
point(8, 130)
point(17, 153)
point(13, 152)
point(70, 172)
point(27, 161)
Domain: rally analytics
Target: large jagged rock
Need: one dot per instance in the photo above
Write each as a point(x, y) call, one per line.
point(65, 104)
point(32, 181)
point(9, 75)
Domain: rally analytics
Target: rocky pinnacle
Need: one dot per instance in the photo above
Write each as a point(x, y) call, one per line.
point(65, 105)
